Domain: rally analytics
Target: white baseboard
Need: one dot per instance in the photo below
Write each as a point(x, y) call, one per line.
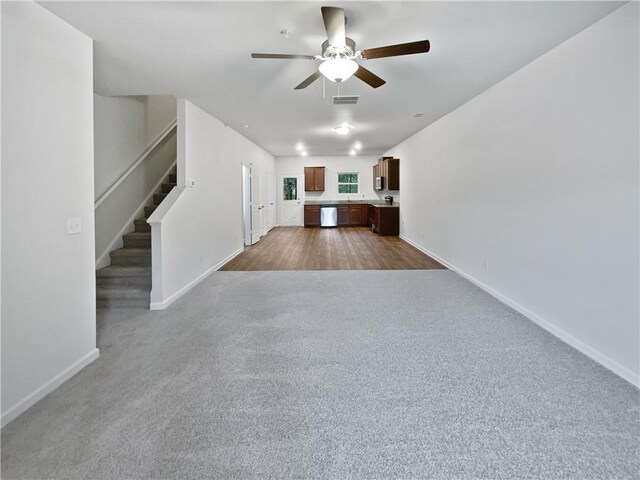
point(12, 412)
point(566, 337)
point(164, 304)
point(103, 259)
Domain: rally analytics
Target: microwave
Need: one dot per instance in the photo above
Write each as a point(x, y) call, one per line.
point(379, 183)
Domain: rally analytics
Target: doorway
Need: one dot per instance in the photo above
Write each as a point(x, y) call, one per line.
point(246, 204)
point(290, 203)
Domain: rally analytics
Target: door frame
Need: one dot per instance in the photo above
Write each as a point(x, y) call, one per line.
point(299, 199)
point(246, 204)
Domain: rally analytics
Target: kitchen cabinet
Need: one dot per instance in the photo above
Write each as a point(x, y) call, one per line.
point(386, 220)
point(389, 169)
point(344, 219)
point(376, 174)
point(349, 215)
point(353, 215)
point(312, 215)
point(392, 174)
point(356, 215)
point(314, 179)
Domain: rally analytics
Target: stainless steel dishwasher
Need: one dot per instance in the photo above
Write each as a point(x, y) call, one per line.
point(328, 216)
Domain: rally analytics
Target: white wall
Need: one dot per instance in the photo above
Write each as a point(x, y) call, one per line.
point(120, 136)
point(124, 127)
point(196, 230)
point(362, 164)
point(160, 111)
point(538, 176)
point(48, 283)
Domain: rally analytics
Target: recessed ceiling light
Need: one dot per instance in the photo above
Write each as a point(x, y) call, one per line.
point(245, 126)
point(286, 32)
point(357, 146)
point(343, 129)
point(352, 152)
point(299, 147)
point(303, 153)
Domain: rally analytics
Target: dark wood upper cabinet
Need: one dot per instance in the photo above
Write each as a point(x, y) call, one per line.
point(389, 169)
point(314, 179)
point(375, 175)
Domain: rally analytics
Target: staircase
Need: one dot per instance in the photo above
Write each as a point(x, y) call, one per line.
point(126, 283)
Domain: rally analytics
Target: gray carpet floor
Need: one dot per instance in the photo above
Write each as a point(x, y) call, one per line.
point(330, 375)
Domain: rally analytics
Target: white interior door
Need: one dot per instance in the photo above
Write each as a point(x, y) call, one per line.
point(272, 212)
point(246, 204)
point(290, 203)
point(255, 207)
point(263, 203)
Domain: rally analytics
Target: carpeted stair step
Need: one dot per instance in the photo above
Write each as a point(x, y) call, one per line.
point(130, 257)
point(113, 276)
point(141, 225)
point(166, 187)
point(149, 210)
point(173, 178)
point(137, 240)
point(122, 297)
point(159, 197)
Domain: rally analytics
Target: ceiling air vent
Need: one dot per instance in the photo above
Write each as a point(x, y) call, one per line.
point(345, 99)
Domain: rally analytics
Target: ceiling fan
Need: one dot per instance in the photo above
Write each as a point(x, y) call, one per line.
point(339, 53)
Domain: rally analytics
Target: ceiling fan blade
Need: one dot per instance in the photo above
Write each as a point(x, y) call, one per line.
point(282, 56)
point(309, 80)
point(396, 50)
point(369, 77)
point(334, 25)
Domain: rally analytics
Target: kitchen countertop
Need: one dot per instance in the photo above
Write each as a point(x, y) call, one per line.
point(375, 203)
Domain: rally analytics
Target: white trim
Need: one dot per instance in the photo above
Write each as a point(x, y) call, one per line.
point(138, 161)
point(165, 303)
point(104, 260)
point(20, 407)
point(566, 337)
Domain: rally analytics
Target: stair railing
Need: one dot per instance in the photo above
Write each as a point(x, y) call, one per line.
point(161, 136)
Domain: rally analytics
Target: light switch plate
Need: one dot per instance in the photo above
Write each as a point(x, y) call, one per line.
point(74, 226)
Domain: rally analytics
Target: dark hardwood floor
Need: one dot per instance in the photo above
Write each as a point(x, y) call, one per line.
point(344, 248)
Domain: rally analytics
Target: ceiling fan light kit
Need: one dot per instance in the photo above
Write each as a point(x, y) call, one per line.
point(339, 69)
point(339, 53)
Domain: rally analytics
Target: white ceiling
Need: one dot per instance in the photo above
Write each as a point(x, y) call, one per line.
point(201, 51)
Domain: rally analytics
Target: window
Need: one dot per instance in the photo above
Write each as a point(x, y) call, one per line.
point(347, 183)
point(289, 188)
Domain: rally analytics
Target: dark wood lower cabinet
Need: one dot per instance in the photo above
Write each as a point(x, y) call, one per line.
point(344, 220)
point(312, 215)
point(356, 214)
point(386, 220)
point(353, 215)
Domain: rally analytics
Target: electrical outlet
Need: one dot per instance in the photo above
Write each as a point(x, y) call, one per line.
point(74, 226)
point(201, 258)
point(485, 264)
